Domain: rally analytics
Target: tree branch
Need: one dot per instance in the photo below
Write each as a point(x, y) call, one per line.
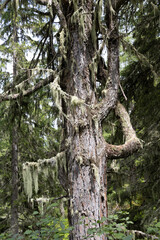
point(119, 3)
point(132, 143)
point(140, 233)
point(6, 96)
point(42, 2)
point(60, 13)
point(3, 5)
point(102, 109)
point(112, 83)
point(57, 8)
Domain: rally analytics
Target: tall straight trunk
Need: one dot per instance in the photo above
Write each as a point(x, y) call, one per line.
point(14, 138)
point(14, 170)
point(86, 157)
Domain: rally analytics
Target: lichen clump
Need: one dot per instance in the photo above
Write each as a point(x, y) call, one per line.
point(48, 167)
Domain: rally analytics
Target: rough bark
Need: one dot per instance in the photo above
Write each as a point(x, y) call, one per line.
point(86, 160)
point(87, 150)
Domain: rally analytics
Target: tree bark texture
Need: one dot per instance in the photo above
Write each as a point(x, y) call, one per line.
point(86, 149)
point(86, 158)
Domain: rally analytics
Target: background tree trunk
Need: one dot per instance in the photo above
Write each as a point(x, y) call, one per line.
point(14, 136)
point(14, 170)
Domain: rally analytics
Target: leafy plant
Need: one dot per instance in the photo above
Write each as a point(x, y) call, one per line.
point(113, 227)
point(154, 229)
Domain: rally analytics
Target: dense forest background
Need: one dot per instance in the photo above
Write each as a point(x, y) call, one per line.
point(29, 51)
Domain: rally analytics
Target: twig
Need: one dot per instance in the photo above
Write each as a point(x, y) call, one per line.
point(122, 92)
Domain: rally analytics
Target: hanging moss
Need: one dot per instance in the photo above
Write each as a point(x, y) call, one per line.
point(32, 169)
point(78, 18)
point(93, 67)
point(96, 26)
point(27, 179)
point(20, 87)
point(35, 177)
point(61, 160)
point(96, 173)
point(75, 101)
point(56, 93)
point(75, 5)
point(62, 47)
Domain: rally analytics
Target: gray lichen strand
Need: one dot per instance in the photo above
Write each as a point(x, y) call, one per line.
point(46, 166)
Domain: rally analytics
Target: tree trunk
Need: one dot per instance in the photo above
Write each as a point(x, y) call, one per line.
point(86, 160)
point(14, 137)
point(86, 149)
point(14, 170)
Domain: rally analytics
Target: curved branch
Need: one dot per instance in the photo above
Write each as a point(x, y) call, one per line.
point(132, 143)
point(102, 109)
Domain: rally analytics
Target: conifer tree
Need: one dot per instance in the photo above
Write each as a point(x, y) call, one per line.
point(85, 90)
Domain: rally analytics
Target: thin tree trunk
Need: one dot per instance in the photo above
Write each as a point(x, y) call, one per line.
point(14, 134)
point(14, 170)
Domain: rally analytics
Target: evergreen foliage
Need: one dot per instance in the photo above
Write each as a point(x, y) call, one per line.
point(41, 49)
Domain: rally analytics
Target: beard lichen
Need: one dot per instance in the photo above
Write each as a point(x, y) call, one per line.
point(96, 173)
point(27, 178)
point(93, 67)
point(75, 101)
point(57, 93)
point(78, 18)
point(49, 167)
point(62, 47)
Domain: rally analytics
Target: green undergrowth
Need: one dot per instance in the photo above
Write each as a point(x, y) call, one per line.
point(115, 227)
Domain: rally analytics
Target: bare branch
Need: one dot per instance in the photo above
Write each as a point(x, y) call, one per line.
point(132, 143)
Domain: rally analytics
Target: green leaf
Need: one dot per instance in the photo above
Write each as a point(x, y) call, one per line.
point(27, 232)
point(118, 235)
point(35, 213)
point(62, 225)
point(129, 237)
point(158, 225)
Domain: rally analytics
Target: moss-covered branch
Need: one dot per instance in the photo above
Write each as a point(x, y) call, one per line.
point(132, 143)
point(10, 95)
